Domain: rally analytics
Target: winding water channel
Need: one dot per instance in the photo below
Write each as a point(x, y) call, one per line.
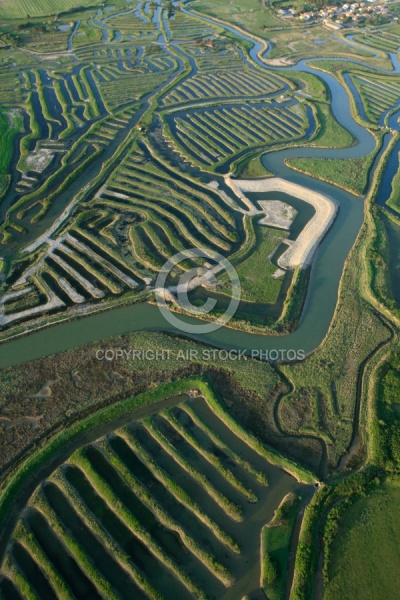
point(326, 270)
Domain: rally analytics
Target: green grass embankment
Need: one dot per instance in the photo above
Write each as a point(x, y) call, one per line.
point(231, 509)
point(79, 554)
point(394, 199)
point(177, 491)
point(35, 133)
point(300, 473)
point(294, 301)
point(140, 491)
point(200, 423)
point(209, 457)
point(99, 530)
point(22, 474)
point(104, 489)
point(66, 111)
point(21, 582)
point(40, 87)
point(28, 540)
point(275, 547)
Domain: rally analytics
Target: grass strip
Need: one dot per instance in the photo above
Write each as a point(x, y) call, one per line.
point(208, 560)
point(28, 540)
point(177, 491)
point(209, 456)
point(300, 473)
point(19, 580)
point(106, 492)
point(231, 509)
point(275, 547)
point(85, 564)
point(258, 475)
point(106, 539)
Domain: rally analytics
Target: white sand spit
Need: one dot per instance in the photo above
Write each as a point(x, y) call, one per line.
point(234, 185)
point(301, 250)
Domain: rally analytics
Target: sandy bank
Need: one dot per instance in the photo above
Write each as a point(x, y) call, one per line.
point(301, 250)
point(277, 214)
point(279, 62)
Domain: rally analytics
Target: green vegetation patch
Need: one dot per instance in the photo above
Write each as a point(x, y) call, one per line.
point(10, 124)
point(275, 547)
point(394, 199)
point(253, 168)
point(349, 173)
point(256, 272)
point(22, 9)
point(365, 553)
point(251, 15)
point(330, 134)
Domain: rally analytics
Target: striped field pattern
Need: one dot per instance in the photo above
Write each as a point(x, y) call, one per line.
point(229, 83)
point(378, 93)
point(148, 511)
point(211, 136)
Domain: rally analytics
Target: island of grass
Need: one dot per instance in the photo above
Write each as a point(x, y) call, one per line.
point(276, 538)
